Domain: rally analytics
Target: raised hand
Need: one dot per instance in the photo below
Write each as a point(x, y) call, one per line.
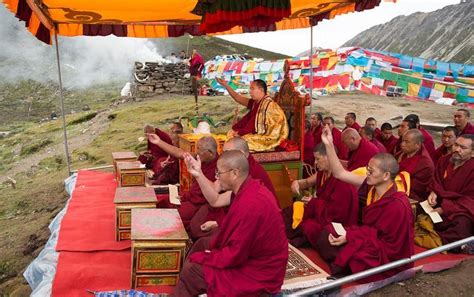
point(221, 81)
point(153, 138)
point(326, 136)
point(193, 165)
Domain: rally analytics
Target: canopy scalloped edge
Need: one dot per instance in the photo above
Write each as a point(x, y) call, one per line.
point(37, 20)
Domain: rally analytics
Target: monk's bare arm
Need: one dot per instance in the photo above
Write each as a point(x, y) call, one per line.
point(168, 148)
point(303, 184)
point(209, 191)
point(208, 188)
point(236, 96)
point(337, 169)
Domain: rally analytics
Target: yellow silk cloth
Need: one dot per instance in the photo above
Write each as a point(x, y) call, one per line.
point(425, 235)
point(298, 212)
point(271, 127)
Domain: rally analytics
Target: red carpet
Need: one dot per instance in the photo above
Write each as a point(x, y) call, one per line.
point(89, 223)
point(78, 272)
point(91, 259)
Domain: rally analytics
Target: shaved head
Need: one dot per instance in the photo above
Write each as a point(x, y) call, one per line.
point(416, 134)
point(148, 128)
point(350, 133)
point(238, 144)
point(387, 163)
point(208, 143)
point(234, 159)
point(351, 138)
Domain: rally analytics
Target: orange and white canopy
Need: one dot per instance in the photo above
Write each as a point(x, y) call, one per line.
point(157, 18)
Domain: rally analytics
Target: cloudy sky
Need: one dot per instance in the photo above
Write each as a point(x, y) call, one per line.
point(333, 33)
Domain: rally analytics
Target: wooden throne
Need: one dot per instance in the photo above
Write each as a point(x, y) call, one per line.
point(282, 166)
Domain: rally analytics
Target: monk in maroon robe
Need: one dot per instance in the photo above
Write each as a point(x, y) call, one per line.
point(428, 142)
point(368, 133)
point(333, 201)
point(415, 159)
point(448, 138)
point(372, 123)
point(388, 140)
point(309, 145)
point(168, 172)
point(316, 128)
point(461, 121)
point(350, 120)
point(193, 199)
point(208, 218)
point(249, 253)
point(361, 150)
point(405, 125)
point(342, 150)
point(166, 169)
point(386, 234)
point(453, 191)
point(154, 152)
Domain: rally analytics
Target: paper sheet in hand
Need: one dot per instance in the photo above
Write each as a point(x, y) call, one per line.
point(339, 229)
point(435, 217)
point(174, 197)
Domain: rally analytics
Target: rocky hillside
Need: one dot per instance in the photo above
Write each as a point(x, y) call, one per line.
point(446, 34)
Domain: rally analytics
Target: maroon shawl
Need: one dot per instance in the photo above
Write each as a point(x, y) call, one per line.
point(386, 235)
point(469, 129)
point(336, 202)
point(249, 254)
point(360, 157)
point(246, 125)
point(455, 188)
point(421, 170)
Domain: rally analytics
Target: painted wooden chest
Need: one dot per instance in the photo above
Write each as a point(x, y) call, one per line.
point(131, 174)
point(159, 243)
point(125, 200)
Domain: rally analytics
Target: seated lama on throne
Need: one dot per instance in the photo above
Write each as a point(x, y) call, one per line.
point(265, 126)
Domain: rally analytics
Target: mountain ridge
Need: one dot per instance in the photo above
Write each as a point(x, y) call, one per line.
point(446, 34)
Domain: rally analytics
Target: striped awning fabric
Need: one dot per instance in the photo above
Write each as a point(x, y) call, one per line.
point(161, 18)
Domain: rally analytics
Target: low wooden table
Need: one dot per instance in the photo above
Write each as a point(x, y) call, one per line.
point(127, 199)
point(131, 174)
point(159, 243)
point(122, 157)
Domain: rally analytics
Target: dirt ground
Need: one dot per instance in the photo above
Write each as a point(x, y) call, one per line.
point(454, 282)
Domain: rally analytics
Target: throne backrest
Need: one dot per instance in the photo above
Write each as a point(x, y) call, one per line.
point(293, 104)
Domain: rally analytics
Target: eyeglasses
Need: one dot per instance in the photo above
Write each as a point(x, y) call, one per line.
point(218, 174)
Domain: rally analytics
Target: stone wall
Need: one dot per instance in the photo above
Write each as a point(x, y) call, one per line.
point(159, 78)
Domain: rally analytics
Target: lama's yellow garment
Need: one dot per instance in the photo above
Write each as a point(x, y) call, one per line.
point(425, 235)
point(271, 127)
point(298, 212)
